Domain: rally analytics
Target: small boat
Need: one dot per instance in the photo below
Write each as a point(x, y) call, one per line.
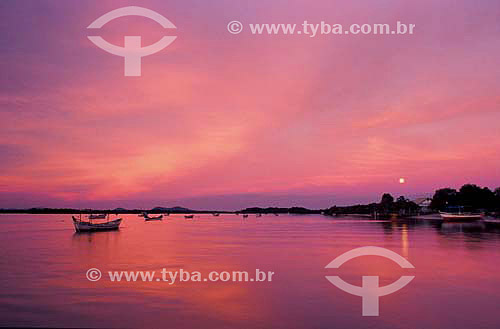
point(258, 215)
point(275, 214)
point(216, 214)
point(147, 218)
point(245, 216)
point(459, 214)
point(188, 216)
point(89, 226)
point(97, 216)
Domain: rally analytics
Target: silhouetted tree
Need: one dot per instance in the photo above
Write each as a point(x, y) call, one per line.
point(444, 197)
point(387, 199)
point(402, 199)
point(489, 199)
point(476, 197)
point(497, 199)
point(401, 203)
point(469, 195)
point(405, 207)
point(386, 204)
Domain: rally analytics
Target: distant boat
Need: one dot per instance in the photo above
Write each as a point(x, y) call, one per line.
point(89, 226)
point(97, 216)
point(276, 214)
point(188, 216)
point(245, 216)
point(258, 215)
point(147, 218)
point(459, 213)
point(216, 214)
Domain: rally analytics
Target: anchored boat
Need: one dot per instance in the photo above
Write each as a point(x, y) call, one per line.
point(91, 226)
point(460, 214)
point(147, 218)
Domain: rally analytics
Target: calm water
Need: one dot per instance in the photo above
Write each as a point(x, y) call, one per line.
point(43, 265)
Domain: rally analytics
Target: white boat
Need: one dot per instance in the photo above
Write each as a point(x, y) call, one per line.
point(97, 216)
point(459, 214)
point(89, 226)
point(146, 217)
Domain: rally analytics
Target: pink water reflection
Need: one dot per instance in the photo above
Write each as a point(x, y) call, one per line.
point(44, 263)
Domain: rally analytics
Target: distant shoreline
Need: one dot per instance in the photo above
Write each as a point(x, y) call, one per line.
point(53, 211)
point(50, 211)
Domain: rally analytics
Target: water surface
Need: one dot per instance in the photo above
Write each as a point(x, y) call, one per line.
point(43, 265)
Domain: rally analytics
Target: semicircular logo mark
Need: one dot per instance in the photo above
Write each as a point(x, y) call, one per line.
point(132, 50)
point(370, 291)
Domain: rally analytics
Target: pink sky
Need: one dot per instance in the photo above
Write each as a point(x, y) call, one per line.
point(226, 121)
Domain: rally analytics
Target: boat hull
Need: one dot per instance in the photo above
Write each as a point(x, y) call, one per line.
point(103, 216)
point(153, 218)
point(450, 217)
point(93, 227)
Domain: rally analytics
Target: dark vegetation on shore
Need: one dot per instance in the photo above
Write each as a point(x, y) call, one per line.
point(469, 195)
point(387, 206)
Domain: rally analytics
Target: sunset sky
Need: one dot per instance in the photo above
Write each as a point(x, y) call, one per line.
point(223, 121)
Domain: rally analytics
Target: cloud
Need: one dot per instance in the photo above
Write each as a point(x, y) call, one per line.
point(250, 116)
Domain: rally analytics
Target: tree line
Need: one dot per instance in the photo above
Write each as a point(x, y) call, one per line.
point(387, 206)
point(469, 195)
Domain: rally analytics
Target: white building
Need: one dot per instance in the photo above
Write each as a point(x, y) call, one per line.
point(424, 204)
